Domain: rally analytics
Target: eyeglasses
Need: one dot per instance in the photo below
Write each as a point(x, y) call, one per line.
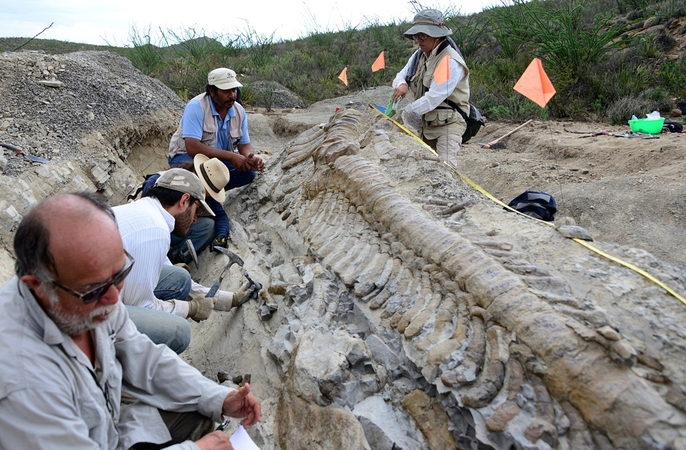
point(96, 293)
point(198, 207)
point(420, 37)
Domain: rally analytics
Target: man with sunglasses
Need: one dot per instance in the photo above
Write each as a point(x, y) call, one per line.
point(69, 349)
point(170, 206)
point(434, 108)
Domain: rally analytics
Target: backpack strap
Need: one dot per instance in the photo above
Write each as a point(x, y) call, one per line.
point(139, 190)
point(134, 196)
point(454, 106)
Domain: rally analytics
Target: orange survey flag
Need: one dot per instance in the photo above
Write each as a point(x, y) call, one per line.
point(442, 72)
point(344, 76)
point(535, 85)
point(379, 63)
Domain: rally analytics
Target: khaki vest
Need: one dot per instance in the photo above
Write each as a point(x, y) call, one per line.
point(442, 120)
point(177, 145)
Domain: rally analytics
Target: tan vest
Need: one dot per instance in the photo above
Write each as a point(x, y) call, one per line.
point(177, 145)
point(442, 120)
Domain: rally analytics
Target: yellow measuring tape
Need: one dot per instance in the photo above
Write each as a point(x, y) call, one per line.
point(577, 240)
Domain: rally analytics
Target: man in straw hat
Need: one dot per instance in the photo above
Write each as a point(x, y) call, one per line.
point(216, 125)
point(433, 107)
point(171, 206)
point(208, 230)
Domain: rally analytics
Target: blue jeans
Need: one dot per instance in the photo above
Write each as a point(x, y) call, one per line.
point(237, 178)
point(163, 327)
point(174, 284)
point(201, 234)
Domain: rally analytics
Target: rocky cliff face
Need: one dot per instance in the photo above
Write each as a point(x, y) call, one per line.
point(91, 114)
point(401, 308)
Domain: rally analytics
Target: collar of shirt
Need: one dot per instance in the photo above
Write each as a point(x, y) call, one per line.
point(52, 335)
point(155, 203)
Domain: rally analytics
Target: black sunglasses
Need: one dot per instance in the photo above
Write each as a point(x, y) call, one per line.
point(96, 294)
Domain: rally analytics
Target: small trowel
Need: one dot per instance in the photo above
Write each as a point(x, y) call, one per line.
point(21, 152)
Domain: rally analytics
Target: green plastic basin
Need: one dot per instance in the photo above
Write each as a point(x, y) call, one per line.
point(647, 126)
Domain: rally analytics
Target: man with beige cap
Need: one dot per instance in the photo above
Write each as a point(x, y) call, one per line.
point(208, 230)
point(171, 206)
point(434, 108)
point(216, 125)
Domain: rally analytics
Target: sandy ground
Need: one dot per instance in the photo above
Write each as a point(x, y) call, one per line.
point(624, 190)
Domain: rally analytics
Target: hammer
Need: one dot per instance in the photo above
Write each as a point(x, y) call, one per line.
point(254, 285)
point(233, 259)
point(192, 252)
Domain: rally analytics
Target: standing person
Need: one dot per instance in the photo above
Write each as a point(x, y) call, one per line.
point(214, 124)
point(171, 206)
point(434, 107)
point(207, 230)
point(73, 349)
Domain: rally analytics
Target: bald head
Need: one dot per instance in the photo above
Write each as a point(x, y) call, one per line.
point(60, 227)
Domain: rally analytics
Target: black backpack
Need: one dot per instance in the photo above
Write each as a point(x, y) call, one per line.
point(538, 204)
point(672, 127)
point(474, 121)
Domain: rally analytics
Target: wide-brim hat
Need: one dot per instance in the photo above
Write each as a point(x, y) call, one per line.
point(213, 174)
point(182, 180)
point(429, 22)
point(223, 78)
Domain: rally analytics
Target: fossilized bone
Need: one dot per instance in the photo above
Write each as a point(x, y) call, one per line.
point(505, 323)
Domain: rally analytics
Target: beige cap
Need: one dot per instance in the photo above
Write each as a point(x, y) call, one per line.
point(223, 78)
point(182, 180)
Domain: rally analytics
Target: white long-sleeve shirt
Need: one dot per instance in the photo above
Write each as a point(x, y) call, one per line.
point(144, 226)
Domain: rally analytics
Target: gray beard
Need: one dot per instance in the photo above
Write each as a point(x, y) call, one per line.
point(69, 324)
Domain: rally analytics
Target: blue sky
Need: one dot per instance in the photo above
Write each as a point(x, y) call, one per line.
point(107, 21)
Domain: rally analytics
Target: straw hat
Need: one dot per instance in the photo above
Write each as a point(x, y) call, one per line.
point(214, 175)
point(429, 22)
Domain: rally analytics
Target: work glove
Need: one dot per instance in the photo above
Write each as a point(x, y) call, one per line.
point(223, 300)
point(242, 293)
point(200, 308)
point(227, 300)
point(219, 241)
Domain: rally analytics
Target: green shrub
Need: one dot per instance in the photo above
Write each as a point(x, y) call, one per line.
point(468, 33)
point(596, 69)
point(565, 41)
point(144, 56)
point(673, 75)
point(648, 101)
